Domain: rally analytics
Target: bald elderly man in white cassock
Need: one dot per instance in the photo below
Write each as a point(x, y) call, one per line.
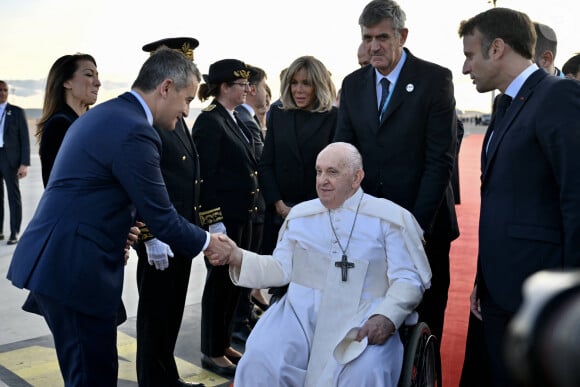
point(352, 261)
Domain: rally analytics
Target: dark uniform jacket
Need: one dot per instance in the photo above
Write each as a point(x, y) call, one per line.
point(228, 167)
point(179, 164)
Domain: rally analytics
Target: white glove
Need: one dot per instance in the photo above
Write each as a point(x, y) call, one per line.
point(158, 253)
point(217, 228)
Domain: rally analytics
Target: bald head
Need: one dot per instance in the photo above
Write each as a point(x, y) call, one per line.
point(339, 173)
point(545, 49)
point(364, 57)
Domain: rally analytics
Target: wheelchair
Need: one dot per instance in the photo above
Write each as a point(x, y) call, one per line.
point(422, 360)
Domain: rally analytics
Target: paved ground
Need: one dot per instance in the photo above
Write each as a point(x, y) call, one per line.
point(27, 356)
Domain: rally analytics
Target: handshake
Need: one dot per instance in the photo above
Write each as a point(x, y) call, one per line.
point(221, 250)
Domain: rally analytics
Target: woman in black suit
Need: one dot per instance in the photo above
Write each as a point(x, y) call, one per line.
point(298, 129)
point(228, 201)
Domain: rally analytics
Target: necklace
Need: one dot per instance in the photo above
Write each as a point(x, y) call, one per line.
point(344, 264)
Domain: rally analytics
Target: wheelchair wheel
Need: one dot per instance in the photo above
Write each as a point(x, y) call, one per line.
point(421, 362)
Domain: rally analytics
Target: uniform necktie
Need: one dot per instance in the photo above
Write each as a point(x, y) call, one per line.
point(384, 94)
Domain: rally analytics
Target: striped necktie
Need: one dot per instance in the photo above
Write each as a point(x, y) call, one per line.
point(384, 94)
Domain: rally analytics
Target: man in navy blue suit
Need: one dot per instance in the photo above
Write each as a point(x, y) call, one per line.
point(530, 185)
point(71, 256)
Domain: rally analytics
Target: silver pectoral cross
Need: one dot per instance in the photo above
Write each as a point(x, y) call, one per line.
point(344, 265)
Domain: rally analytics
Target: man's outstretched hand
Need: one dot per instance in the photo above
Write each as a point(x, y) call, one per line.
point(223, 251)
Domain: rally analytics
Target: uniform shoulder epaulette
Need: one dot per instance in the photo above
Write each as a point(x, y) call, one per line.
point(209, 108)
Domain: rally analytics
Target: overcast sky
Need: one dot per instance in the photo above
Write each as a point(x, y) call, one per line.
point(266, 33)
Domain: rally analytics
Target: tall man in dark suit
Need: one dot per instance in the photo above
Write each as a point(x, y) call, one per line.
point(71, 256)
point(162, 282)
point(14, 160)
point(530, 186)
point(407, 137)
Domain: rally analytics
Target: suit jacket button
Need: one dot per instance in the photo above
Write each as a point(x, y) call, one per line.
point(183, 158)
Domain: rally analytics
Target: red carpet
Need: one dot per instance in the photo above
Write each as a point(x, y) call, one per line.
point(463, 262)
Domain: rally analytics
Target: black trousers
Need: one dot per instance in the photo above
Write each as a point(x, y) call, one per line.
point(475, 371)
point(9, 175)
point(220, 297)
point(432, 307)
point(495, 324)
point(162, 297)
point(86, 346)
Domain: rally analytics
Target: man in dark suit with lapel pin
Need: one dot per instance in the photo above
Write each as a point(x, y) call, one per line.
point(71, 255)
point(405, 129)
point(530, 186)
point(244, 316)
point(162, 273)
point(14, 160)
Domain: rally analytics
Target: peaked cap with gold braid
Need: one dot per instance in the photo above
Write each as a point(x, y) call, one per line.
point(183, 45)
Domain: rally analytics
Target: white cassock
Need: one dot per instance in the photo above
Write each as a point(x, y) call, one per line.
point(293, 343)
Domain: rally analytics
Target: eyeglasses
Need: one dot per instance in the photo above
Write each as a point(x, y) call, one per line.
point(242, 84)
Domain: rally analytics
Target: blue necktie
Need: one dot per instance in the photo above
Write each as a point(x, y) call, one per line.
point(384, 94)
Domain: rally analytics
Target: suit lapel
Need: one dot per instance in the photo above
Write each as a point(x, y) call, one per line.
point(401, 89)
point(516, 106)
point(368, 93)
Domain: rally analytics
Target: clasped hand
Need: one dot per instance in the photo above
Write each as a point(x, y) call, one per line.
point(222, 251)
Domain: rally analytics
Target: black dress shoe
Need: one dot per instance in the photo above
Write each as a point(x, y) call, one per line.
point(183, 383)
point(1, 236)
point(210, 365)
point(13, 240)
